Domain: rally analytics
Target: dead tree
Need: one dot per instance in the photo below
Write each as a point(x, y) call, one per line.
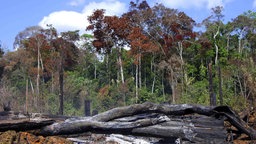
point(190, 123)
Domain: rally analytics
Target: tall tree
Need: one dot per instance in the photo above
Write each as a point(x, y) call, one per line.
point(67, 54)
point(214, 32)
point(109, 32)
point(103, 41)
point(35, 42)
point(139, 44)
point(1, 55)
point(35, 45)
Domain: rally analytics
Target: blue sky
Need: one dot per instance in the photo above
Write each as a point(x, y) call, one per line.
point(16, 15)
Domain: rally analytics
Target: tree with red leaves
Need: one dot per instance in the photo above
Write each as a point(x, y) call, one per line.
point(109, 32)
point(168, 29)
point(38, 46)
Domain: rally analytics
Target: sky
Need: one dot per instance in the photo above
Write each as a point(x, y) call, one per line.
point(64, 15)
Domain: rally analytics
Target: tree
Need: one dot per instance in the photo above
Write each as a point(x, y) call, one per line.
point(139, 44)
point(34, 40)
point(109, 32)
point(168, 29)
point(35, 45)
point(88, 60)
point(67, 53)
point(1, 63)
point(214, 32)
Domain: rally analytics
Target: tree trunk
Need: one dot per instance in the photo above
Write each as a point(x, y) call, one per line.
point(153, 70)
point(163, 86)
point(32, 87)
point(140, 83)
point(220, 85)
point(239, 45)
point(211, 92)
point(136, 84)
point(173, 93)
point(52, 82)
point(121, 65)
point(26, 105)
point(216, 46)
point(184, 77)
point(153, 84)
point(216, 55)
point(38, 76)
point(172, 83)
point(61, 84)
point(107, 65)
point(240, 40)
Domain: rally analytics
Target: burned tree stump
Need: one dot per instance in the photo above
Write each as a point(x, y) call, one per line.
point(7, 106)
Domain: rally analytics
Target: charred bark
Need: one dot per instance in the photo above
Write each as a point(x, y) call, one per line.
point(191, 123)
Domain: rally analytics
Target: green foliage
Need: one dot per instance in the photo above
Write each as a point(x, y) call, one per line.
point(197, 93)
point(52, 103)
point(146, 95)
point(238, 103)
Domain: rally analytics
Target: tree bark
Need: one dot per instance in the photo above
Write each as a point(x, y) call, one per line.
point(136, 83)
point(163, 91)
point(211, 92)
point(172, 83)
point(61, 84)
point(220, 85)
point(26, 104)
point(216, 46)
point(120, 65)
point(139, 63)
point(153, 70)
point(38, 76)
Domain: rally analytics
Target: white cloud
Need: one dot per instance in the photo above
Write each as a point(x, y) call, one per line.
point(113, 7)
point(197, 4)
point(71, 20)
point(65, 20)
point(76, 2)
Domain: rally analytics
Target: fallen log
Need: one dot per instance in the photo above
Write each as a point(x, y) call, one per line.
point(166, 124)
point(163, 127)
point(85, 125)
point(236, 121)
point(191, 123)
point(18, 121)
point(24, 124)
point(148, 107)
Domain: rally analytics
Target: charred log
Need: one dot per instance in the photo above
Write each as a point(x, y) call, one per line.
point(191, 123)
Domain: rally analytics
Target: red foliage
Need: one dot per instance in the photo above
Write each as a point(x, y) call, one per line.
point(98, 44)
point(104, 91)
point(179, 37)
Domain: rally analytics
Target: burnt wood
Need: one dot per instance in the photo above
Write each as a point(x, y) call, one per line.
point(191, 123)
